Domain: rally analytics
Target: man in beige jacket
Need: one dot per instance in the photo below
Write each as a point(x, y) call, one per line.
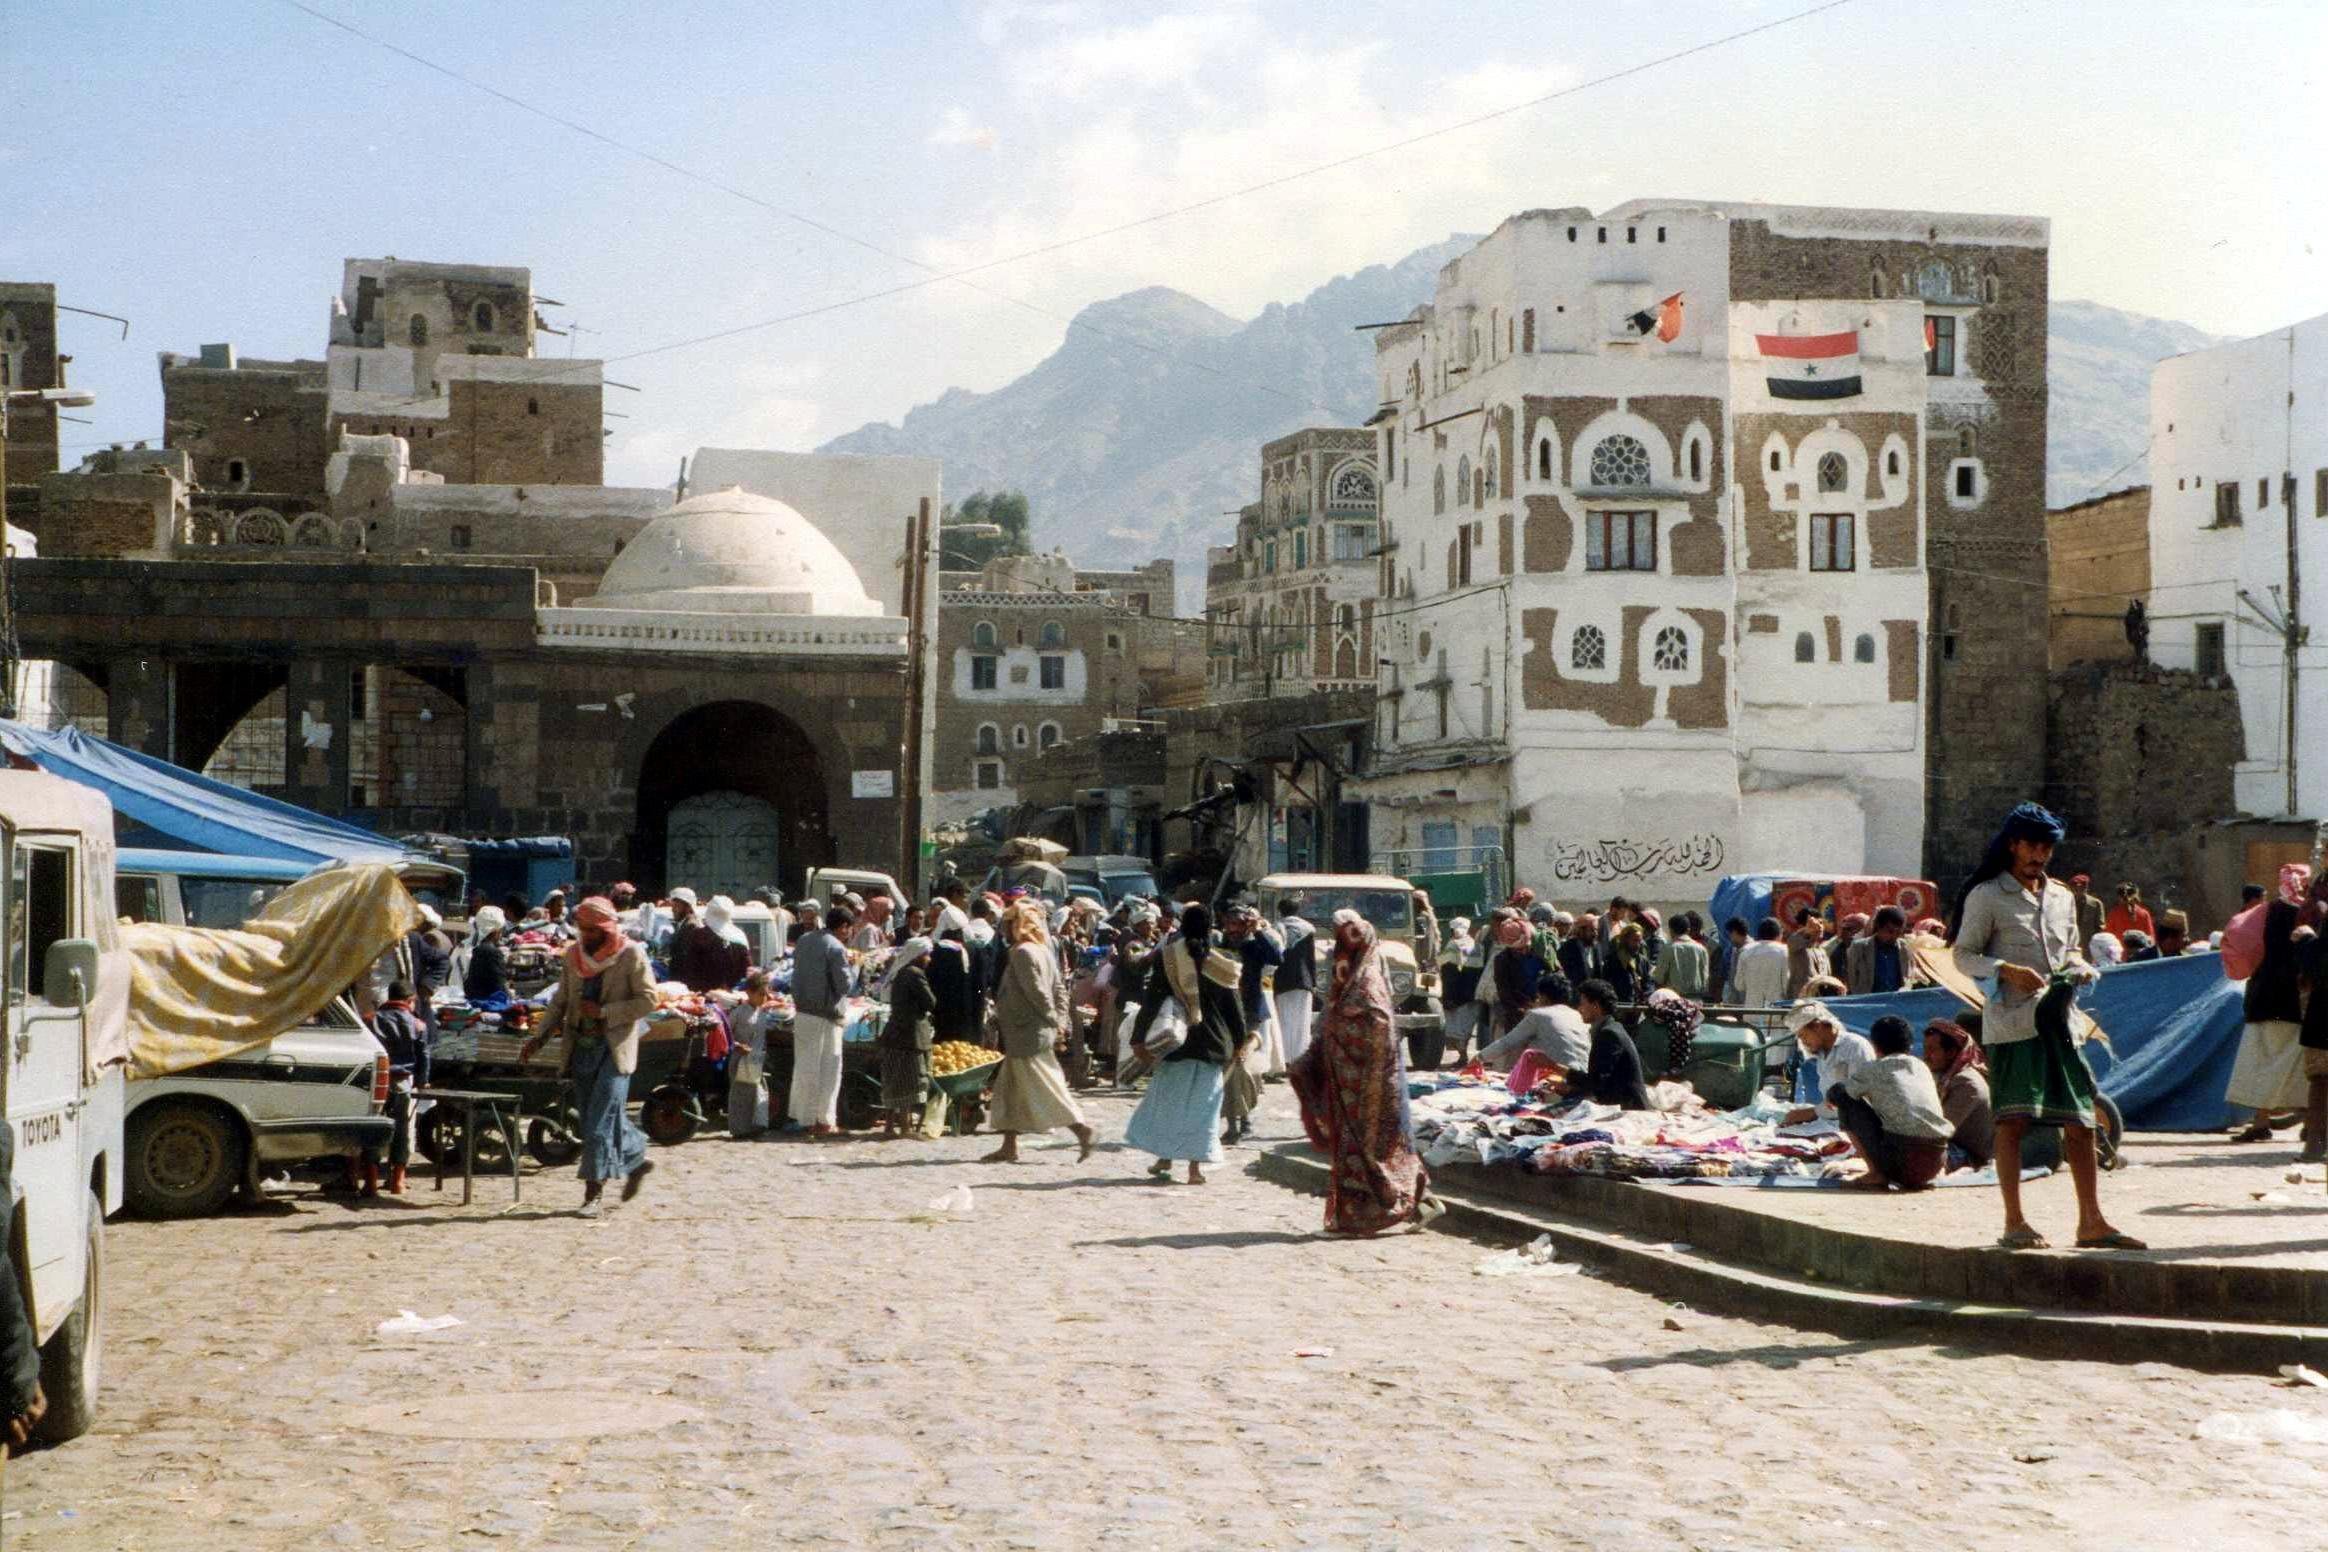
point(605, 995)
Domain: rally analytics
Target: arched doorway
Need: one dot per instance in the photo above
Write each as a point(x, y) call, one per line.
point(723, 787)
point(722, 843)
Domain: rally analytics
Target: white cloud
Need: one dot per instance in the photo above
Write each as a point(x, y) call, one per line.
point(957, 128)
point(1159, 53)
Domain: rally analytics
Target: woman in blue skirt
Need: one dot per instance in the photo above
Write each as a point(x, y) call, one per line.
point(1180, 1117)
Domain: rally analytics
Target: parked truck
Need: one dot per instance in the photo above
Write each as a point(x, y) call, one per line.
point(67, 996)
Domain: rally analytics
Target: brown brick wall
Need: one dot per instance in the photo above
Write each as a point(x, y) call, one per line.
point(1111, 681)
point(272, 420)
point(1987, 705)
point(2101, 562)
point(2136, 748)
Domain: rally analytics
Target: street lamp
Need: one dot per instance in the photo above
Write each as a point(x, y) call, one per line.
point(61, 398)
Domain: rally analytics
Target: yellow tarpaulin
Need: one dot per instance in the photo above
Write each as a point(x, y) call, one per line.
point(201, 994)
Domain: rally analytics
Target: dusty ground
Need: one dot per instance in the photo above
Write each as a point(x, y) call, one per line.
point(782, 1345)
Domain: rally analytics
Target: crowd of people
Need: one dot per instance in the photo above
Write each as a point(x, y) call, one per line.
point(1206, 1014)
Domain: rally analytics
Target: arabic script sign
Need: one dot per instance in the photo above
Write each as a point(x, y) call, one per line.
point(1608, 861)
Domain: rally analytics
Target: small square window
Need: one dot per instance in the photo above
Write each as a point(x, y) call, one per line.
point(2227, 513)
point(1833, 542)
point(2207, 650)
point(982, 673)
point(1054, 673)
point(1940, 346)
point(1967, 481)
point(989, 775)
point(460, 536)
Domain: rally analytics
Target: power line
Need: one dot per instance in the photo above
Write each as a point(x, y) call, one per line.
point(935, 276)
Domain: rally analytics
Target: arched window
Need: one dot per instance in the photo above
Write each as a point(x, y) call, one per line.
point(417, 330)
point(1588, 649)
point(1875, 286)
point(1054, 634)
point(1806, 650)
point(989, 738)
point(1494, 485)
point(1544, 459)
point(982, 634)
point(483, 315)
point(1697, 459)
point(1438, 491)
point(1863, 650)
point(1353, 487)
point(1670, 653)
point(1891, 461)
point(1046, 735)
point(1620, 460)
point(1989, 286)
point(1463, 479)
point(533, 406)
point(1775, 464)
point(1018, 735)
point(1964, 443)
point(1834, 473)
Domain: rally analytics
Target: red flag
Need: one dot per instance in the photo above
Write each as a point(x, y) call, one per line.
point(1931, 337)
point(1669, 318)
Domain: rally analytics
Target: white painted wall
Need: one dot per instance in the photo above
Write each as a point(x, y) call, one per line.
point(1018, 677)
point(2253, 410)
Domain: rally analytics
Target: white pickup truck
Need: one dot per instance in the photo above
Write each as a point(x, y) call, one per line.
point(67, 989)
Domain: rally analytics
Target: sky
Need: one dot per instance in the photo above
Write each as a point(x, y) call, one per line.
point(203, 167)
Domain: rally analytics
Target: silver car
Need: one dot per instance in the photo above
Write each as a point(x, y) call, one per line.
point(312, 1092)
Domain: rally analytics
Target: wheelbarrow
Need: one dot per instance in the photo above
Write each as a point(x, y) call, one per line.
point(965, 1093)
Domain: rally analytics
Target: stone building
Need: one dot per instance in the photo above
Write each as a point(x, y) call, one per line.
point(1290, 604)
point(1032, 653)
point(440, 355)
point(2238, 485)
point(29, 359)
point(1659, 488)
point(729, 704)
point(2100, 564)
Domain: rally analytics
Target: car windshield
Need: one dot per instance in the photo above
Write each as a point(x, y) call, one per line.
point(1392, 911)
point(1120, 887)
point(225, 902)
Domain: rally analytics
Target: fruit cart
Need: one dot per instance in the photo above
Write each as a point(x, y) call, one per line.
point(965, 1090)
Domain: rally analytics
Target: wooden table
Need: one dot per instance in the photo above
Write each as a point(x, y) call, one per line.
point(502, 1108)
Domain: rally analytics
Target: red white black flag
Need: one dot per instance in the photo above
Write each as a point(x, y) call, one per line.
point(1812, 366)
point(1665, 318)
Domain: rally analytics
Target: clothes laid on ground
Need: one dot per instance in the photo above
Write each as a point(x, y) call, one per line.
point(1353, 1092)
point(1476, 1120)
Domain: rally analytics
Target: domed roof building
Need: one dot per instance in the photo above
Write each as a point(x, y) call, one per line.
point(732, 552)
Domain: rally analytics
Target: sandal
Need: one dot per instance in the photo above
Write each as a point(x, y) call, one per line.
point(2112, 1241)
point(2023, 1239)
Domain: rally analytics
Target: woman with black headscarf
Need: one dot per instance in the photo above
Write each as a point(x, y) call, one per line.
point(1192, 1019)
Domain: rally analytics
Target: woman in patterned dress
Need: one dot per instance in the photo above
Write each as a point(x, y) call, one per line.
point(1352, 1086)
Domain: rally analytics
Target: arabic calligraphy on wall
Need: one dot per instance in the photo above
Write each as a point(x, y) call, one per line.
point(1607, 862)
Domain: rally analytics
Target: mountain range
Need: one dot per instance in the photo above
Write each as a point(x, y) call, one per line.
point(1140, 435)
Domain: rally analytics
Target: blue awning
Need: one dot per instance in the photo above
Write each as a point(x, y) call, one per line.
point(192, 810)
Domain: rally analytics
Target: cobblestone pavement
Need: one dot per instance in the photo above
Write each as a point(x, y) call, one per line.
point(782, 1344)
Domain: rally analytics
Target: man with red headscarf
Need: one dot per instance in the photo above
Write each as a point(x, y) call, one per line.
point(605, 994)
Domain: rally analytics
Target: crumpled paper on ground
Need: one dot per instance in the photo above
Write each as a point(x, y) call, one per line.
point(1536, 1259)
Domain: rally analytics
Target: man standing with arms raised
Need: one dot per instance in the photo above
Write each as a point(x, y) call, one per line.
point(2016, 929)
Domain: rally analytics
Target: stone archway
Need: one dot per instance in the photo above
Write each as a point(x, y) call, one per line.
point(723, 787)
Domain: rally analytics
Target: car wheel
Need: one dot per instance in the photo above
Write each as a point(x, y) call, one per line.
point(184, 1160)
point(71, 1362)
point(664, 1118)
point(554, 1144)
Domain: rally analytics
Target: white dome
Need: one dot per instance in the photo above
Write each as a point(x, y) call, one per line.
point(731, 552)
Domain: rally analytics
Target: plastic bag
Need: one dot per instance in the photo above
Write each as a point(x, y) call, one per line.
point(1170, 1030)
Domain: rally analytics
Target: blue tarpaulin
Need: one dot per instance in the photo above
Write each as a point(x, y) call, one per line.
point(2173, 1026)
point(190, 809)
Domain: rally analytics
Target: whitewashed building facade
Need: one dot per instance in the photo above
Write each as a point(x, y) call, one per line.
point(1654, 609)
point(2239, 540)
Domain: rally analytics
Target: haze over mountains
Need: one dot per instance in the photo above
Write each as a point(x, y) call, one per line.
point(1139, 436)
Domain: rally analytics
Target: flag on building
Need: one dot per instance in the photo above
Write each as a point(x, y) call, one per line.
point(1812, 366)
point(1665, 319)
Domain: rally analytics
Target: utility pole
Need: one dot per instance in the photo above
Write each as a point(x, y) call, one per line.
point(11, 654)
point(2295, 611)
point(920, 529)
